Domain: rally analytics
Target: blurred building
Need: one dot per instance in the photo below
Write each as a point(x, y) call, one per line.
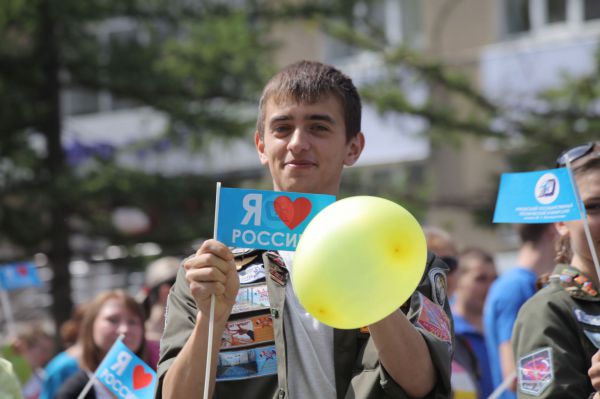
point(510, 48)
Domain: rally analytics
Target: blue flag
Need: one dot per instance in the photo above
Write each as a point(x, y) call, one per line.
point(125, 374)
point(14, 276)
point(536, 197)
point(266, 219)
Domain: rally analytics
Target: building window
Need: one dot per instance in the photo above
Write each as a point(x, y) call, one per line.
point(591, 10)
point(556, 11)
point(517, 16)
point(398, 21)
point(537, 17)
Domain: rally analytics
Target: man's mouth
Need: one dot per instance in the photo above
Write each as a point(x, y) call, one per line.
point(300, 164)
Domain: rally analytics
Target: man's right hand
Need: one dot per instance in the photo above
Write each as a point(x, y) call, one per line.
point(212, 271)
point(594, 373)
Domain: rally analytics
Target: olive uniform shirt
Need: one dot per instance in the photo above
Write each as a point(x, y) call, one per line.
point(252, 359)
point(556, 333)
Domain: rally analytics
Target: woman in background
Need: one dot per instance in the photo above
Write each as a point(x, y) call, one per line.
point(109, 315)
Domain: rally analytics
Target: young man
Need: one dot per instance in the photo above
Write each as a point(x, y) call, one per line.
point(509, 292)
point(308, 129)
point(476, 273)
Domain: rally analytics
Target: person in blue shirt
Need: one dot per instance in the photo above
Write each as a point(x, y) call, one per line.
point(509, 292)
point(476, 272)
point(60, 369)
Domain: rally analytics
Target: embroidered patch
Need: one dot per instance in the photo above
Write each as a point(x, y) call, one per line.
point(250, 298)
point(535, 372)
point(278, 270)
point(432, 318)
point(585, 318)
point(278, 275)
point(250, 331)
point(576, 284)
point(252, 273)
point(248, 363)
point(594, 337)
point(437, 280)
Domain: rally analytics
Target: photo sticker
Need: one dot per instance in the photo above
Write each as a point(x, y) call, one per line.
point(249, 363)
point(250, 331)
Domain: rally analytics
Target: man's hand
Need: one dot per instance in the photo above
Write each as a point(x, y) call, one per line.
point(212, 271)
point(594, 373)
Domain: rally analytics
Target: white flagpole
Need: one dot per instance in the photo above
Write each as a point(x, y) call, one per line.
point(8, 313)
point(93, 378)
point(211, 320)
point(586, 226)
point(503, 387)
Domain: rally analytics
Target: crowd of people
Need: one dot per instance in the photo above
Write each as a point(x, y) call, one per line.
point(39, 373)
point(534, 331)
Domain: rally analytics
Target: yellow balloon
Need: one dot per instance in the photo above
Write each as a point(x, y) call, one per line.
point(357, 261)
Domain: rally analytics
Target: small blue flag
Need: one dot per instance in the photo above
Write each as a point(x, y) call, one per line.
point(14, 276)
point(125, 374)
point(536, 197)
point(266, 219)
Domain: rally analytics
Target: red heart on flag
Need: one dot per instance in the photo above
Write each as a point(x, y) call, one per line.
point(22, 270)
point(292, 213)
point(141, 379)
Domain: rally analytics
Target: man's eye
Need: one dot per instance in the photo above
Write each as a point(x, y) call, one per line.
point(320, 128)
point(592, 208)
point(282, 129)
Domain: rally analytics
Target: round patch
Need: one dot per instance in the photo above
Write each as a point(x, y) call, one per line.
point(437, 279)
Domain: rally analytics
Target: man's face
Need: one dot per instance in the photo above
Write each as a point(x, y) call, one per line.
point(588, 184)
point(305, 147)
point(474, 282)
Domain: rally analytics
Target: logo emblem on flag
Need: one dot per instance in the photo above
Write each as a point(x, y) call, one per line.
point(547, 189)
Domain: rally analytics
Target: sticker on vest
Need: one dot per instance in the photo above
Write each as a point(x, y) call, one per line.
point(463, 385)
point(432, 318)
point(594, 337)
point(535, 372)
point(249, 363)
point(252, 273)
point(586, 318)
point(250, 331)
point(250, 298)
point(437, 280)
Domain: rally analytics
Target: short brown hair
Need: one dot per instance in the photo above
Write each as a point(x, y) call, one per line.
point(531, 232)
point(475, 253)
point(92, 355)
point(69, 330)
point(307, 82)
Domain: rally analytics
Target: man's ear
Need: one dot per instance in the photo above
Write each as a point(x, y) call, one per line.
point(260, 148)
point(355, 148)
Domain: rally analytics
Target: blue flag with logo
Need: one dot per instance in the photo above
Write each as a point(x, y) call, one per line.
point(125, 374)
point(14, 276)
point(266, 219)
point(536, 197)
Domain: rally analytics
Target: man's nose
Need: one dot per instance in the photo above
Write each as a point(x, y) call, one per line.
point(299, 140)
